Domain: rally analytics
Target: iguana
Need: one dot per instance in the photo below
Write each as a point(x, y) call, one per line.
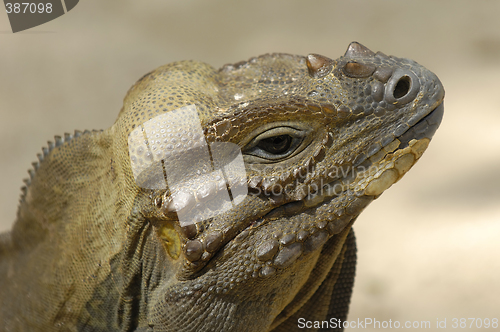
point(220, 200)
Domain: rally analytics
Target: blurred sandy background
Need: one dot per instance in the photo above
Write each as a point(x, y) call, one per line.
point(429, 248)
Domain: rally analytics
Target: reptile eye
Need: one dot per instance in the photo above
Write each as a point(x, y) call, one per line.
point(276, 145)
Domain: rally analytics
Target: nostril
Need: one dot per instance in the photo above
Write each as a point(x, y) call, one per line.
point(402, 87)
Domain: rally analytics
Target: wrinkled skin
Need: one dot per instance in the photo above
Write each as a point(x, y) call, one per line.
point(122, 230)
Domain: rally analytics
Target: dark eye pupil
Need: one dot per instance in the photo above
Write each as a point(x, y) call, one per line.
point(276, 145)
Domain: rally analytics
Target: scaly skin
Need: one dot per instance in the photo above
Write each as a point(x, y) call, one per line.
point(240, 221)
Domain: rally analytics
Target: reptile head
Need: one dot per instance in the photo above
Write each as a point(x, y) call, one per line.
point(248, 173)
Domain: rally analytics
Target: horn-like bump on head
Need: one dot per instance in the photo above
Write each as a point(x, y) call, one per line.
point(319, 65)
point(356, 50)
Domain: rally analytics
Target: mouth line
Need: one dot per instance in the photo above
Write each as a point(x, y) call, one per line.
point(406, 132)
point(425, 127)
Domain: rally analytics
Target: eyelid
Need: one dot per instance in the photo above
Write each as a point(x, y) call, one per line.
point(299, 142)
point(277, 131)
